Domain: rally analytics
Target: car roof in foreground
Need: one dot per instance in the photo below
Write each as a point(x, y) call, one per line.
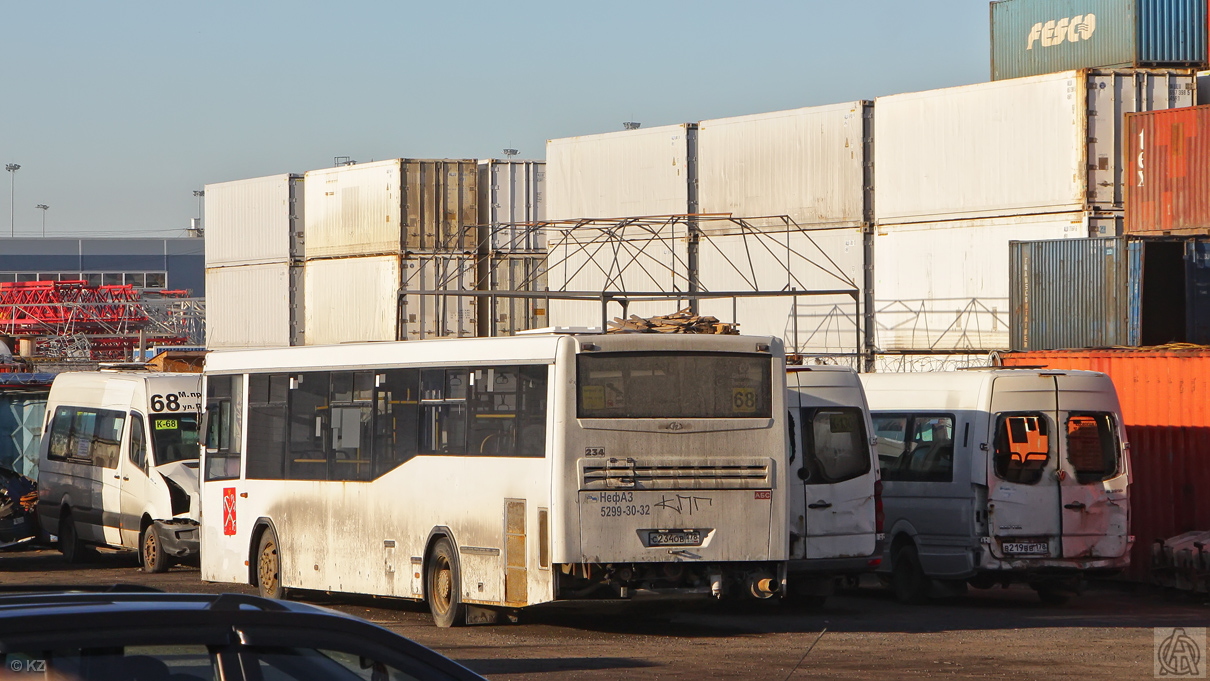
point(71, 617)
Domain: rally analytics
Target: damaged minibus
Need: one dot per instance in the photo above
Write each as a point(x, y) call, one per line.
point(118, 464)
point(996, 476)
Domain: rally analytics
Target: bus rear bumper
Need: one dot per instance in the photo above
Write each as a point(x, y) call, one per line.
point(651, 581)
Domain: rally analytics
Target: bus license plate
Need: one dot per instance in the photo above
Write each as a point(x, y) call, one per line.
point(1026, 548)
point(674, 538)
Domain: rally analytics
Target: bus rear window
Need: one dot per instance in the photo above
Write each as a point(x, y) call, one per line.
point(667, 385)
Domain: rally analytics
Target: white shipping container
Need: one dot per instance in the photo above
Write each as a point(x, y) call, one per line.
point(254, 306)
point(621, 174)
point(945, 286)
point(390, 207)
point(811, 164)
point(1043, 144)
point(254, 221)
point(814, 260)
point(423, 315)
point(365, 299)
point(515, 273)
point(512, 192)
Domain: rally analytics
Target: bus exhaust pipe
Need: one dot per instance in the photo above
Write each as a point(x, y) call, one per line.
point(762, 586)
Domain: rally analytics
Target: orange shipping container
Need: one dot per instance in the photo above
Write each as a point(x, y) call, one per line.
point(1168, 171)
point(1165, 397)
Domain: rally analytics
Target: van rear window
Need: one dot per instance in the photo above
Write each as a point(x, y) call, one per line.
point(1092, 446)
point(1022, 447)
point(86, 436)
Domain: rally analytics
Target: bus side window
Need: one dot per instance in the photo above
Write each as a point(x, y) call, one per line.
point(268, 396)
point(443, 394)
point(309, 427)
point(531, 438)
point(352, 418)
point(396, 418)
point(223, 398)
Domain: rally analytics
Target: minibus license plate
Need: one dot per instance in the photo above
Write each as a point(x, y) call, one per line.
point(1036, 548)
point(674, 538)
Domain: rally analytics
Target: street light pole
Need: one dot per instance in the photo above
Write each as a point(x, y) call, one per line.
point(12, 168)
point(44, 208)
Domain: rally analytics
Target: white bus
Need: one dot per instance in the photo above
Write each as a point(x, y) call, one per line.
point(999, 475)
point(118, 464)
point(835, 496)
point(499, 472)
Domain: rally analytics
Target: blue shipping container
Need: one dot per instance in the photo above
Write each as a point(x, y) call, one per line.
point(1032, 37)
point(1107, 292)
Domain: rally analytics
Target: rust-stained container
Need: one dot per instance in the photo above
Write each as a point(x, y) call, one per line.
point(513, 273)
point(1168, 171)
point(1165, 397)
point(392, 207)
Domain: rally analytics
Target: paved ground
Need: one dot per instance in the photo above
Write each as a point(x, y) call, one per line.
point(997, 634)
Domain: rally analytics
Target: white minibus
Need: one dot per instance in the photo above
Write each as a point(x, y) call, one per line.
point(483, 474)
point(118, 464)
point(835, 495)
point(994, 476)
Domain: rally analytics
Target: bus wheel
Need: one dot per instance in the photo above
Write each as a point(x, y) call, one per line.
point(152, 551)
point(908, 580)
point(268, 566)
point(443, 588)
point(73, 550)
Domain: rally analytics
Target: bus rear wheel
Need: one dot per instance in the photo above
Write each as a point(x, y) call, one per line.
point(268, 566)
point(443, 586)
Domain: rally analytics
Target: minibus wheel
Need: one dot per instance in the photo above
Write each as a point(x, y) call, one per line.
point(151, 551)
point(908, 580)
point(70, 545)
point(268, 566)
point(443, 586)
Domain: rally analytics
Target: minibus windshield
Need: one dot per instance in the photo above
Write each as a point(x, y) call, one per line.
point(175, 437)
point(667, 385)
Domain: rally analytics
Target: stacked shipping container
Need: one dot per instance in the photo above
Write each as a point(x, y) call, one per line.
point(1168, 172)
point(1116, 291)
point(254, 251)
point(645, 172)
point(1031, 37)
point(512, 245)
point(388, 238)
point(962, 171)
point(809, 164)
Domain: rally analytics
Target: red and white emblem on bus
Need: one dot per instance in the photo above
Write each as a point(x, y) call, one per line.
point(228, 511)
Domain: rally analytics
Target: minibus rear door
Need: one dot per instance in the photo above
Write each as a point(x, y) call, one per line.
point(838, 476)
point(1094, 471)
point(1023, 487)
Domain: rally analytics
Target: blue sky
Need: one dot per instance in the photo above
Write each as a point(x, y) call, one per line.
point(117, 111)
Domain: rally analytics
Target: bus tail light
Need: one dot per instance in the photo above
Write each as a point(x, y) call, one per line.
point(879, 515)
